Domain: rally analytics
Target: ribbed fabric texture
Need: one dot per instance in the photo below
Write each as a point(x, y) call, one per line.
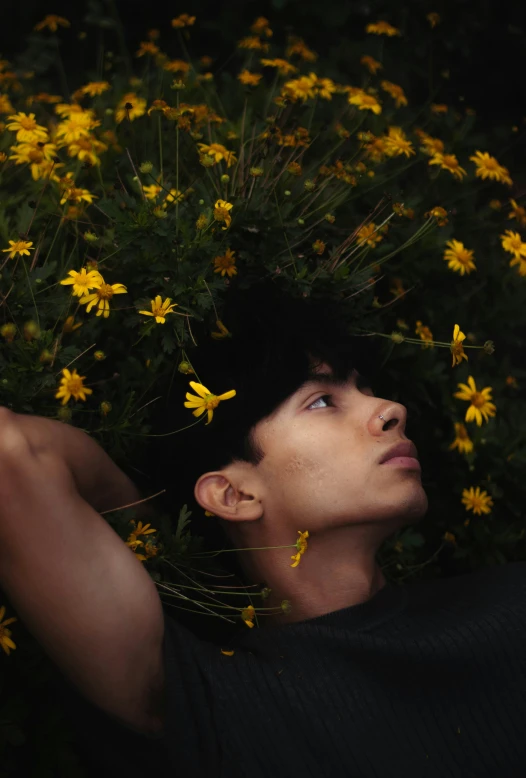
point(425, 679)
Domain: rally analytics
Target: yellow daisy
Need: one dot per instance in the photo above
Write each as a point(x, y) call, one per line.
point(512, 242)
point(368, 235)
point(382, 28)
point(249, 79)
point(365, 102)
point(301, 545)
point(518, 212)
point(397, 144)
point(456, 347)
point(284, 68)
point(72, 385)
point(5, 634)
point(221, 213)
point(459, 258)
point(206, 400)
point(226, 264)
point(83, 281)
point(130, 107)
point(19, 247)
point(26, 128)
point(462, 440)
point(480, 406)
point(52, 22)
point(217, 152)
point(371, 64)
point(488, 167)
point(247, 614)
point(476, 500)
point(160, 309)
point(396, 92)
point(101, 298)
point(448, 162)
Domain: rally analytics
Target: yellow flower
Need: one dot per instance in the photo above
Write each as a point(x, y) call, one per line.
point(95, 88)
point(26, 128)
point(83, 281)
point(151, 191)
point(72, 385)
point(79, 125)
point(247, 614)
point(299, 47)
point(368, 234)
point(365, 102)
point(252, 42)
point(221, 213)
point(371, 64)
point(382, 28)
point(300, 88)
point(430, 145)
point(101, 297)
point(425, 334)
point(448, 162)
point(495, 205)
point(284, 68)
point(19, 247)
point(217, 152)
point(462, 440)
point(260, 27)
point(52, 22)
point(74, 193)
point(301, 545)
point(70, 326)
point(177, 66)
point(480, 402)
point(518, 212)
point(456, 347)
point(397, 144)
point(173, 196)
point(5, 104)
point(223, 331)
point(433, 18)
point(476, 500)
point(319, 246)
point(147, 47)
point(227, 652)
point(512, 242)
point(206, 400)
point(130, 107)
point(160, 309)
point(249, 79)
point(226, 264)
point(396, 92)
point(438, 213)
point(5, 634)
point(488, 167)
point(459, 258)
point(87, 149)
point(38, 155)
point(139, 529)
point(183, 20)
point(438, 108)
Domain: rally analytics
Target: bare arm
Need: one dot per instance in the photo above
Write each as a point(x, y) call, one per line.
point(79, 589)
point(98, 479)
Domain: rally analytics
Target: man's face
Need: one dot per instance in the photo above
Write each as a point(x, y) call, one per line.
point(321, 467)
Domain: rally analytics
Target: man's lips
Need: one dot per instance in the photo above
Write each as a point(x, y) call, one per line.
point(403, 450)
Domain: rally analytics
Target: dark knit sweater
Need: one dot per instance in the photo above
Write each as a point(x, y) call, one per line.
point(425, 679)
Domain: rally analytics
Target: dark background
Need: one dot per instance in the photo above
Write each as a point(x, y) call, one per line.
point(481, 43)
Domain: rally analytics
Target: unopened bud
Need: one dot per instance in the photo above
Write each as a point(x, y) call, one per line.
point(8, 331)
point(46, 357)
point(225, 178)
point(489, 348)
point(397, 337)
point(146, 167)
point(105, 407)
point(90, 237)
point(64, 415)
point(31, 330)
point(99, 355)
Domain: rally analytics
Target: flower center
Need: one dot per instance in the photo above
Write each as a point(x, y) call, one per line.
point(28, 124)
point(478, 399)
point(75, 384)
point(105, 292)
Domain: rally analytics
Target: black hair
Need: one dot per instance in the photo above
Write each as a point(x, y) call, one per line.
point(275, 335)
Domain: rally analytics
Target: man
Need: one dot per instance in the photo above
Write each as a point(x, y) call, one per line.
point(360, 678)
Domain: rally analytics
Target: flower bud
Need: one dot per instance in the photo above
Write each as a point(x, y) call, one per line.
point(287, 193)
point(64, 415)
point(159, 212)
point(397, 337)
point(105, 407)
point(185, 367)
point(31, 330)
point(146, 167)
point(99, 355)
point(489, 348)
point(8, 331)
point(309, 185)
point(178, 85)
point(256, 171)
point(286, 607)
point(225, 178)
point(329, 217)
point(46, 357)
point(301, 222)
point(90, 237)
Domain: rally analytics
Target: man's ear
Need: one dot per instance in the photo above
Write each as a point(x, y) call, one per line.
point(227, 495)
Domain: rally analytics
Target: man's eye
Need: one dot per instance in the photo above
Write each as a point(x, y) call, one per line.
point(312, 405)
